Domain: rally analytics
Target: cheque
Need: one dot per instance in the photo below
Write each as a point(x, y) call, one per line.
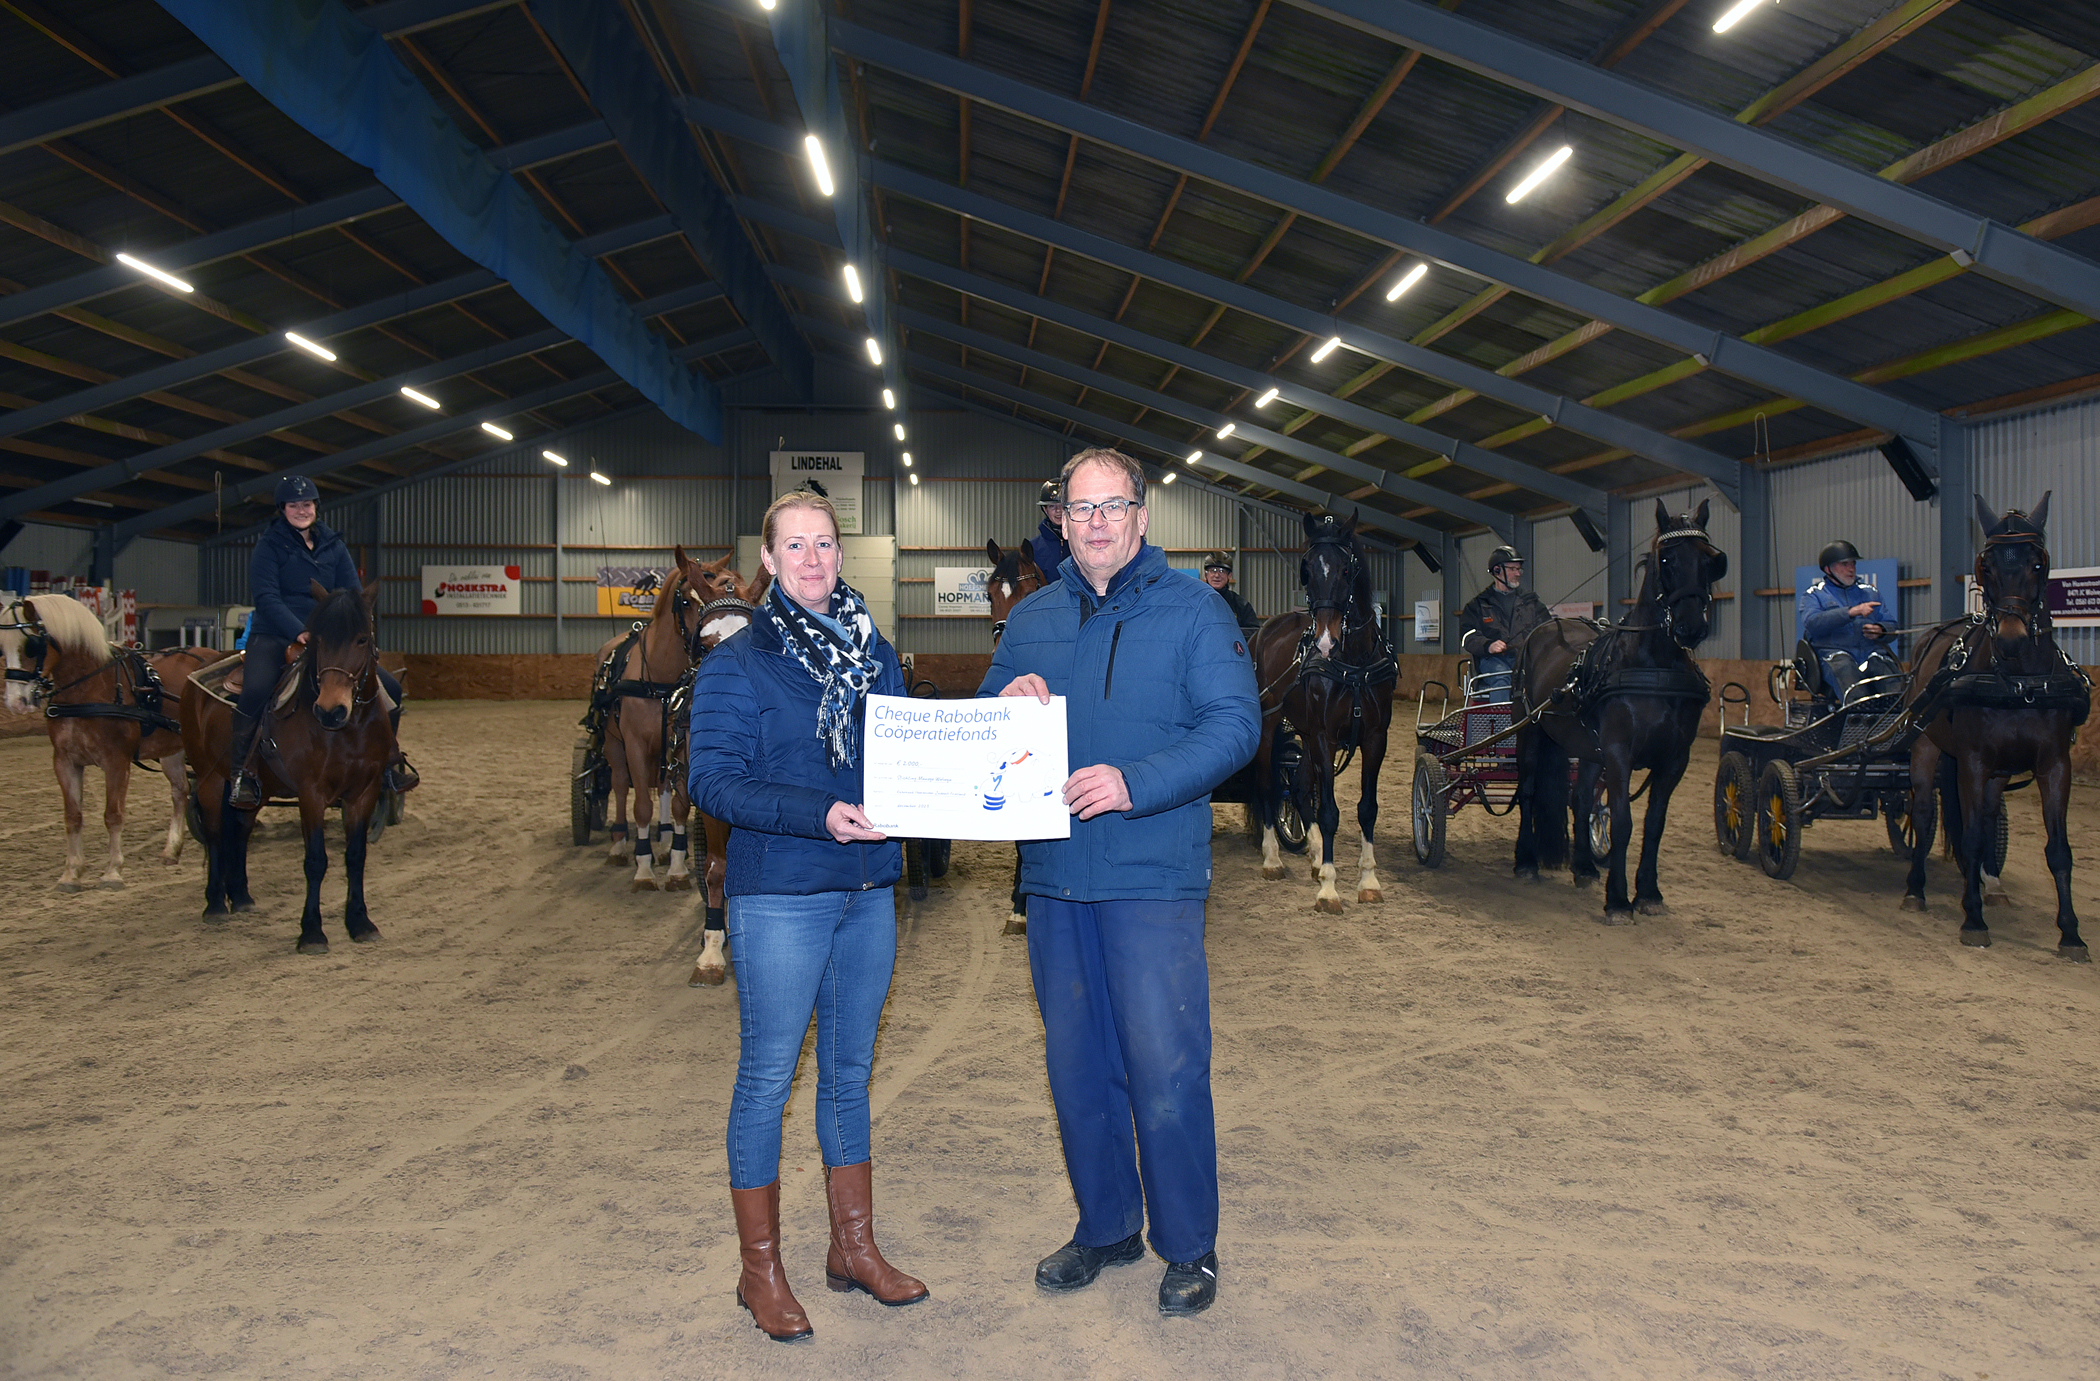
point(966, 769)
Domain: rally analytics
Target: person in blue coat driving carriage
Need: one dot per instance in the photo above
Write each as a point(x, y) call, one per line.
point(1846, 622)
point(1160, 707)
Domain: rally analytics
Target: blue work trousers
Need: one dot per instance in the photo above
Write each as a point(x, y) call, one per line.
point(1124, 990)
point(831, 953)
point(1492, 675)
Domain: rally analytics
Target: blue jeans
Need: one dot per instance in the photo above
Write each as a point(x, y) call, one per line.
point(831, 953)
point(1498, 665)
point(1124, 990)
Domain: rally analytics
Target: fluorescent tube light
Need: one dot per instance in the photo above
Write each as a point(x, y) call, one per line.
point(155, 274)
point(1414, 276)
point(562, 461)
point(1227, 430)
point(493, 430)
point(1195, 456)
point(1328, 349)
point(425, 399)
point(817, 164)
point(875, 351)
point(1735, 14)
point(907, 460)
point(1169, 479)
point(1267, 398)
point(889, 400)
point(899, 429)
point(95, 503)
point(852, 283)
point(600, 478)
point(1539, 174)
point(309, 347)
point(915, 479)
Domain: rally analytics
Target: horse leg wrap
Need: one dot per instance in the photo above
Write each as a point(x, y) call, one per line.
point(717, 918)
point(641, 845)
point(678, 841)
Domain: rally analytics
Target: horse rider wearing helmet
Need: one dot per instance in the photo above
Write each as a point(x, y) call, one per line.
point(1496, 619)
point(296, 549)
point(1047, 548)
point(1846, 623)
point(1217, 573)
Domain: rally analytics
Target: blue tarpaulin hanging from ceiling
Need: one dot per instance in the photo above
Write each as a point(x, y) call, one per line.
point(339, 80)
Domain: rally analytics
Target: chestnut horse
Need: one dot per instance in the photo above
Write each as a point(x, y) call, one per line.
point(1994, 696)
point(330, 744)
point(1617, 697)
point(103, 707)
point(1014, 577)
point(1331, 672)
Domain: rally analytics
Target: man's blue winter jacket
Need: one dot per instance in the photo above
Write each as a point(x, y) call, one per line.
point(756, 762)
point(1158, 683)
point(1829, 628)
point(1047, 549)
point(280, 568)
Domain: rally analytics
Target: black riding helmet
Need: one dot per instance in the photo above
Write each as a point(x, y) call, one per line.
point(1837, 551)
point(1503, 556)
point(1050, 497)
point(297, 489)
point(1218, 559)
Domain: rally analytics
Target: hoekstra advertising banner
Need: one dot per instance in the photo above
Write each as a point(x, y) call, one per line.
point(472, 590)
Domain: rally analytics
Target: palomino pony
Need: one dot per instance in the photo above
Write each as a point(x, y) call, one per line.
point(1994, 695)
point(1617, 697)
point(1330, 671)
point(643, 669)
point(102, 707)
point(330, 742)
point(1014, 577)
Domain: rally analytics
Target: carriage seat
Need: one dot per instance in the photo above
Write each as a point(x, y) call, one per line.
point(1810, 668)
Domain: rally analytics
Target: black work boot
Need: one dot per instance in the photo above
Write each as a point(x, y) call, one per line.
point(1189, 1287)
point(247, 792)
point(1073, 1267)
point(400, 776)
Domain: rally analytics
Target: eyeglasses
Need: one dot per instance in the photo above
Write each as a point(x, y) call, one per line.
point(1115, 510)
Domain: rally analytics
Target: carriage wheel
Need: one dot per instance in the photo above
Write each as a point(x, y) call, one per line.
point(1600, 825)
point(2001, 839)
point(915, 868)
point(1734, 789)
point(581, 774)
point(1779, 820)
point(396, 807)
point(1427, 810)
point(1290, 825)
point(1903, 830)
point(1287, 764)
point(938, 852)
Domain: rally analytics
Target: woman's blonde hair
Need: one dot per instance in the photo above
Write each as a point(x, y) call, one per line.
point(796, 498)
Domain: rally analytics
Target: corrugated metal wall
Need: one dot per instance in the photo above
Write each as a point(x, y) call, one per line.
point(48, 547)
point(2057, 450)
point(1857, 497)
point(161, 572)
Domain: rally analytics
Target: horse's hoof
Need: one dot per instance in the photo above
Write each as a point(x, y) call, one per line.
point(307, 946)
point(643, 885)
point(69, 887)
point(1976, 939)
point(1585, 879)
point(1369, 894)
point(243, 904)
point(1274, 872)
point(170, 860)
point(1331, 905)
point(1912, 903)
point(619, 860)
point(1015, 925)
point(111, 884)
point(369, 935)
point(2077, 954)
point(1651, 906)
point(678, 883)
point(1525, 874)
point(1997, 899)
point(1619, 918)
point(705, 977)
point(215, 915)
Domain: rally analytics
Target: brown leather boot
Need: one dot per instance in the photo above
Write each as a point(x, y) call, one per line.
point(763, 1287)
point(854, 1263)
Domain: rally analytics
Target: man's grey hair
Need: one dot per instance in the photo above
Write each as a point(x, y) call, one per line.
point(1110, 457)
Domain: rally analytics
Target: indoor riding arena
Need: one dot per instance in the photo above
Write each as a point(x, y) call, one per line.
point(1647, 453)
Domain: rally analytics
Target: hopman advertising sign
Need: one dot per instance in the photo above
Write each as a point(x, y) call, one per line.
point(628, 592)
point(839, 473)
point(960, 591)
point(472, 590)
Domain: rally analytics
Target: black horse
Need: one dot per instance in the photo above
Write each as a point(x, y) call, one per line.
point(1330, 671)
point(1617, 697)
point(1994, 696)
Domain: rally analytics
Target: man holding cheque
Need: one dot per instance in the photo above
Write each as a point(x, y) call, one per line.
point(1160, 707)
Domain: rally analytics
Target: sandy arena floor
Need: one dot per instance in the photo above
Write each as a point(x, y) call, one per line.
point(1784, 1131)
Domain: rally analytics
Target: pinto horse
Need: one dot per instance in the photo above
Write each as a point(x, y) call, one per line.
point(1618, 698)
point(1994, 696)
point(102, 707)
point(1331, 672)
point(330, 743)
point(1014, 577)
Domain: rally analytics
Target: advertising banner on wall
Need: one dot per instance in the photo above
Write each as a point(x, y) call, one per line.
point(839, 473)
point(2073, 596)
point(960, 591)
point(628, 592)
point(472, 590)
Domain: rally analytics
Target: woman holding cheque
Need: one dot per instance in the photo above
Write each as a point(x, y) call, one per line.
point(776, 752)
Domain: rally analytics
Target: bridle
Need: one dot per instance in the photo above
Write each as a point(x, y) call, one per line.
point(1669, 600)
point(999, 625)
point(1351, 569)
point(362, 679)
point(35, 643)
point(2033, 613)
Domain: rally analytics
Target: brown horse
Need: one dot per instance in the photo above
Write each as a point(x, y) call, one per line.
point(103, 707)
point(1994, 696)
point(1014, 577)
point(330, 743)
point(1618, 698)
point(1331, 672)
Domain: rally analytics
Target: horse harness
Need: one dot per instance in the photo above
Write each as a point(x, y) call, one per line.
point(133, 672)
point(999, 625)
point(673, 697)
point(1954, 685)
point(1353, 678)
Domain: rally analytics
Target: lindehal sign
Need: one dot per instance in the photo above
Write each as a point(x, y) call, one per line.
point(471, 590)
point(836, 473)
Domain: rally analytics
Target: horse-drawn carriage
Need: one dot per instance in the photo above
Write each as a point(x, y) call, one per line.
point(1832, 757)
